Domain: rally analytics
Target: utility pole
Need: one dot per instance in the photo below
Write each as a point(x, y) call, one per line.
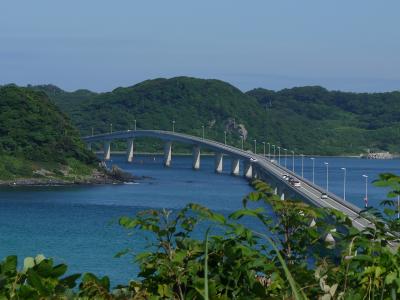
point(366, 190)
point(293, 161)
point(313, 168)
point(344, 183)
point(327, 175)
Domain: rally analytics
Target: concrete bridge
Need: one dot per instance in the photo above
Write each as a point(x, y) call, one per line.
point(255, 166)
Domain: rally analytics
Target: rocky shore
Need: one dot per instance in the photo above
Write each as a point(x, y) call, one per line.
point(99, 176)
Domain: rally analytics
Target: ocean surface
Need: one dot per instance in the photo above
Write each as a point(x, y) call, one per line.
point(79, 225)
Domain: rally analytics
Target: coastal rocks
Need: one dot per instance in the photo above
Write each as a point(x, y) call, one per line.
point(119, 175)
point(99, 176)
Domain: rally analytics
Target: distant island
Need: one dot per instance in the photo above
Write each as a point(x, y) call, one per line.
point(309, 120)
point(39, 145)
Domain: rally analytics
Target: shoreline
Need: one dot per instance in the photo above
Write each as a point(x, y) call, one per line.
point(212, 154)
point(114, 175)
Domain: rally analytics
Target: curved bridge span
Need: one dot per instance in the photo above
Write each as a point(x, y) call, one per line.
point(255, 166)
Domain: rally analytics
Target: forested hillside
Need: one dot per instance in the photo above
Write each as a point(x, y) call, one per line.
point(36, 139)
point(333, 122)
point(310, 120)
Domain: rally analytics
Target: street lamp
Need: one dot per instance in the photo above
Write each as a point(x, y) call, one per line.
point(255, 146)
point(313, 168)
point(293, 161)
point(110, 127)
point(202, 128)
point(264, 147)
point(327, 175)
point(279, 155)
point(269, 151)
point(302, 165)
point(225, 137)
point(135, 125)
point(273, 146)
point(285, 158)
point(92, 131)
point(344, 183)
point(366, 190)
point(242, 138)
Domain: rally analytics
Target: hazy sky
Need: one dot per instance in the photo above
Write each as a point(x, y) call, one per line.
point(99, 45)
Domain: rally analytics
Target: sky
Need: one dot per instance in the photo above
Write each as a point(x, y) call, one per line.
point(100, 45)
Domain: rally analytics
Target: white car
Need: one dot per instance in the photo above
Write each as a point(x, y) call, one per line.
point(253, 159)
point(296, 183)
point(324, 196)
point(285, 176)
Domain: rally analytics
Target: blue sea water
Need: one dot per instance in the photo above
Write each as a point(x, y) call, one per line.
point(78, 225)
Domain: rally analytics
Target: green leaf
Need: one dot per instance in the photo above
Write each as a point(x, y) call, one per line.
point(10, 264)
point(59, 270)
point(34, 280)
point(70, 281)
point(246, 212)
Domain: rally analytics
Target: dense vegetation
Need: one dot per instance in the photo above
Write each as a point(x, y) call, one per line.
point(36, 139)
point(310, 120)
point(286, 257)
point(332, 122)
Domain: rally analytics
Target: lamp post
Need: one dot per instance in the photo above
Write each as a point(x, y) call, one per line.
point(327, 175)
point(302, 165)
point(255, 146)
point(313, 168)
point(293, 161)
point(279, 155)
point(135, 125)
point(92, 131)
point(264, 147)
point(269, 150)
point(241, 137)
point(225, 137)
point(202, 128)
point(110, 127)
point(273, 146)
point(366, 190)
point(173, 125)
point(285, 157)
point(344, 183)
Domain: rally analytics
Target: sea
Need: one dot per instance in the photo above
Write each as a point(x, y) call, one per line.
point(78, 225)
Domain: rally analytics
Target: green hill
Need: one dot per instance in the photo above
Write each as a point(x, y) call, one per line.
point(332, 122)
point(191, 102)
point(310, 120)
point(37, 140)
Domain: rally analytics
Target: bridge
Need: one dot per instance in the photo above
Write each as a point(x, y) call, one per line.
point(255, 166)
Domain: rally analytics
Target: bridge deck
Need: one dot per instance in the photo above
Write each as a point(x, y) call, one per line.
point(307, 189)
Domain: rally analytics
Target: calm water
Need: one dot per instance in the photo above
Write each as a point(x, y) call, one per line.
point(77, 225)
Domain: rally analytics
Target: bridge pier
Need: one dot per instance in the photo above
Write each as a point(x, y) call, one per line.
point(167, 154)
point(255, 173)
point(129, 152)
point(283, 196)
point(276, 191)
point(107, 150)
point(235, 168)
point(196, 157)
point(219, 162)
point(248, 170)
